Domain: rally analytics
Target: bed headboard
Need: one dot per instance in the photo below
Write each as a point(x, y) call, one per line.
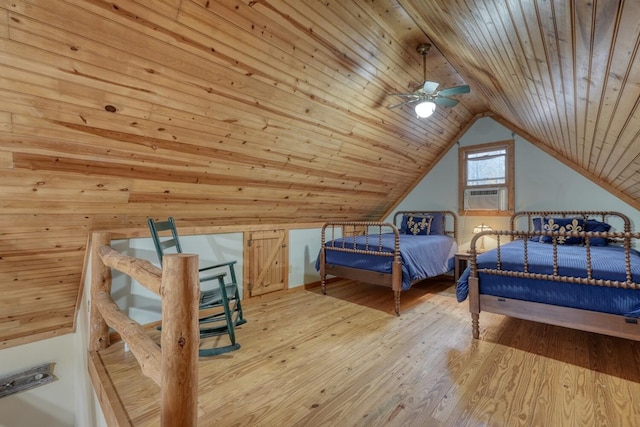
point(450, 220)
point(616, 219)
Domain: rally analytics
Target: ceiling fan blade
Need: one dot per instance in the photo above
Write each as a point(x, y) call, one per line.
point(401, 104)
point(430, 87)
point(446, 102)
point(455, 90)
point(405, 94)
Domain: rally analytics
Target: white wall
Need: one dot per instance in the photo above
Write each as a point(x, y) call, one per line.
point(52, 404)
point(304, 246)
point(143, 305)
point(541, 183)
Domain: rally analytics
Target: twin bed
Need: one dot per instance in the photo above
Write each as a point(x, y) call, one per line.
point(571, 269)
point(417, 245)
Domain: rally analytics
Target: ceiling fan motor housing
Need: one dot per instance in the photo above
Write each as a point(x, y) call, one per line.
point(424, 48)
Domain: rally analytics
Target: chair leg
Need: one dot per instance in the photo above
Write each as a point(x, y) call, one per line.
point(207, 352)
point(227, 314)
point(229, 328)
point(240, 320)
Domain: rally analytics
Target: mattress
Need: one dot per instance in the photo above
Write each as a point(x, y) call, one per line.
point(421, 256)
point(608, 263)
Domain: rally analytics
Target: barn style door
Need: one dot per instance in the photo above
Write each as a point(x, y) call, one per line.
point(267, 262)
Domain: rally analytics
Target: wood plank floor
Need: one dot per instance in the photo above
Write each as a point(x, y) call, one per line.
point(344, 360)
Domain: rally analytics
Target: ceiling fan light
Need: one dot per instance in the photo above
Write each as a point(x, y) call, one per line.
point(425, 109)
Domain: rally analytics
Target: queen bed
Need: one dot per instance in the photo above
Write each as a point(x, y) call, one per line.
point(417, 245)
point(569, 268)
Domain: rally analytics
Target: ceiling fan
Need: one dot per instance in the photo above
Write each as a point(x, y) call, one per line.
point(427, 96)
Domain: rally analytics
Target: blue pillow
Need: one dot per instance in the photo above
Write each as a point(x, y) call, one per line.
point(562, 225)
point(403, 224)
point(418, 225)
point(437, 224)
point(537, 226)
point(593, 225)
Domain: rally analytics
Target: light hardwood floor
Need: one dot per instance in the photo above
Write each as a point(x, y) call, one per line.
point(344, 360)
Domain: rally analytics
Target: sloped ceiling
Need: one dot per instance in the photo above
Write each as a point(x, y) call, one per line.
point(566, 73)
point(232, 113)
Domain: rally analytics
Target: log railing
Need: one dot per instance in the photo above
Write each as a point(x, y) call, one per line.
point(174, 367)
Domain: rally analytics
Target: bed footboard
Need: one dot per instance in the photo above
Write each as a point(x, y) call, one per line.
point(342, 232)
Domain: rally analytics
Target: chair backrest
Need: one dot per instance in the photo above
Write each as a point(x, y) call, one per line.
point(163, 243)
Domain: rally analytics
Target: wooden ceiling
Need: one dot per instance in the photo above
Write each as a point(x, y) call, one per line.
point(233, 113)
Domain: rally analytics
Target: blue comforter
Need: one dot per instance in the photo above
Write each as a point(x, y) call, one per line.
point(607, 263)
point(422, 256)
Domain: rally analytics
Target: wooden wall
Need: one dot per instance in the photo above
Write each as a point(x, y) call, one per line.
point(220, 113)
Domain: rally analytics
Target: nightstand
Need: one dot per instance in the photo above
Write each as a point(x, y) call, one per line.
point(460, 263)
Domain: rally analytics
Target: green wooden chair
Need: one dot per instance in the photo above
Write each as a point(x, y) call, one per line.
point(219, 303)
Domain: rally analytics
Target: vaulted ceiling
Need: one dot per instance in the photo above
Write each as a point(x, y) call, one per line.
point(238, 112)
point(564, 72)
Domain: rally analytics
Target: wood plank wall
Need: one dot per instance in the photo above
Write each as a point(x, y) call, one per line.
point(220, 113)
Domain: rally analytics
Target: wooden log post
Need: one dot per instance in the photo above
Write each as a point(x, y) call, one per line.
point(100, 282)
point(180, 340)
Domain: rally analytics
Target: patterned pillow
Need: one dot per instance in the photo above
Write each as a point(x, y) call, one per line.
point(418, 225)
point(562, 225)
point(437, 223)
point(593, 225)
point(403, 224)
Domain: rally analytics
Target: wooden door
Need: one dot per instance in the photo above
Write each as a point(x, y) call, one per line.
point(268, 259)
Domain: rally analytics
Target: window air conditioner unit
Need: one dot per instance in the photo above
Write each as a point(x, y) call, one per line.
point(485, 199)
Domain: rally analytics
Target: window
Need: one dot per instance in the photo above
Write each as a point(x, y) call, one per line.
point(486, 179)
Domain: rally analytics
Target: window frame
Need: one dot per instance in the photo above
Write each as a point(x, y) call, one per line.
point(509, 184)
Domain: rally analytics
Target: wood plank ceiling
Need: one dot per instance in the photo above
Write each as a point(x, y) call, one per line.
point(223, 112)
